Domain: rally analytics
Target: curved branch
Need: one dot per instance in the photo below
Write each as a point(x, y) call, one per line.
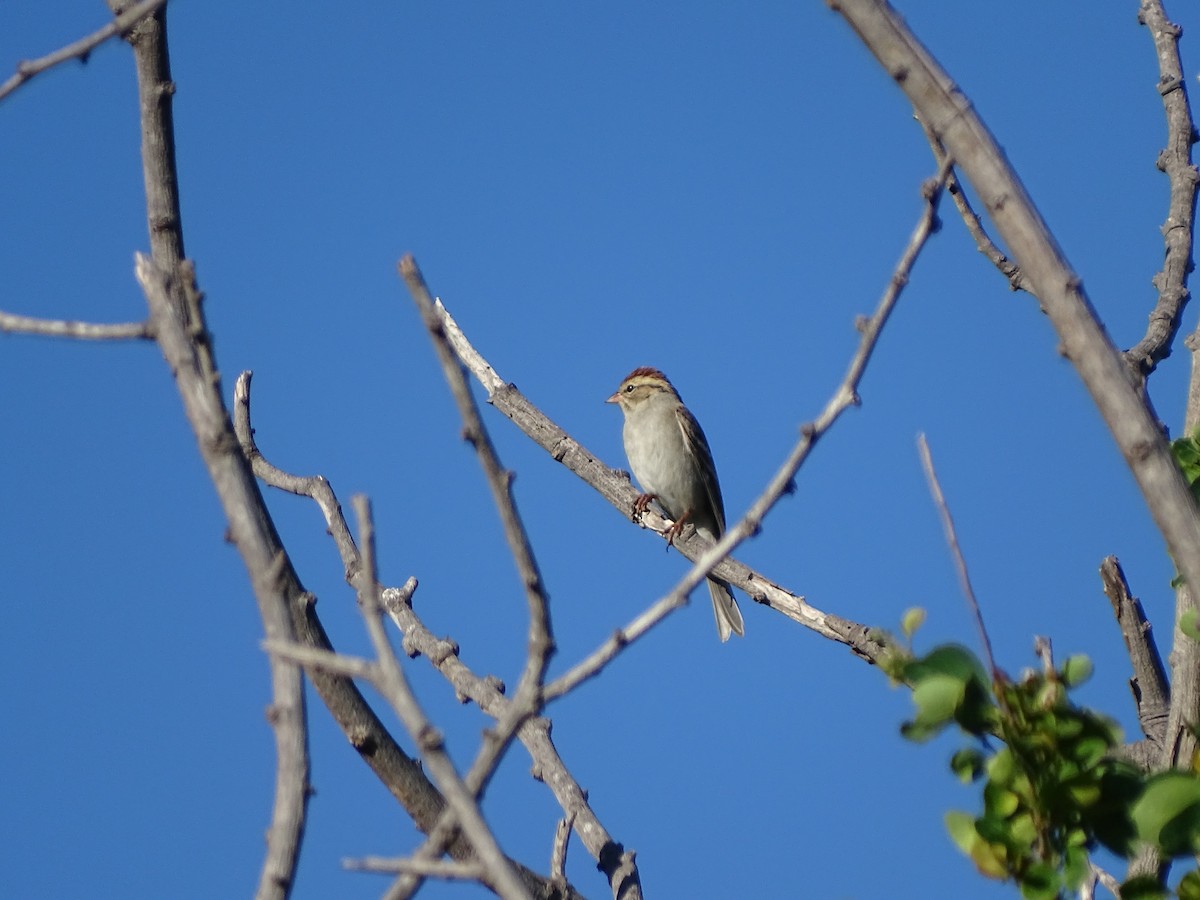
point(1083, 340)
point(1176, 161)
point(541, 638)
point(983, 243)
point(271, 576)
point(418, 639)
point(177, 322)
point(497, 872)
point(80, 49)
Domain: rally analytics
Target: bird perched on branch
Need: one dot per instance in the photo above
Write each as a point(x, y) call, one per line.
point(669, 456)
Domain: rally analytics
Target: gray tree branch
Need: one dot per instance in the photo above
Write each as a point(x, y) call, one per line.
point(177, 322)
point(80, 49)
point(1151, 690)
point(11, 323)
point(1176, 161)
point(487, 693)
point(271, 575)
point(393, 684)
point(1083, 341)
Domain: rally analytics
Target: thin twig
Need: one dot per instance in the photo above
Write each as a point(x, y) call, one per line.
point(1043, 649)
point(80, 49)
point(527, 701)
point(326, 660)
point(541, 639)
point(980, 161)
point(548, 766)
point(393, 684)
point(11, 323)
point(983, 242)
point(440, 652)
point(558, 852)
point(1110, 883)
point(188, 353)
point(1176, 161)
point(315, 487)
point(960, 564)
point(845, 396)
point(436, 868)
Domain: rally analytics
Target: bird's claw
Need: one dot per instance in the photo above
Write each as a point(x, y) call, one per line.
point(676, 528)
point(641, 504)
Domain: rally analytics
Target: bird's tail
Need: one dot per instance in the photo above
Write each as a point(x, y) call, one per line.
point(725, 608)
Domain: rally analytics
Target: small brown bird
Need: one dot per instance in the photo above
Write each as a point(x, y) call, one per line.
point(670, 458)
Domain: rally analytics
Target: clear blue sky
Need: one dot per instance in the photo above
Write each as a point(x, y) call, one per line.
point(715, 191)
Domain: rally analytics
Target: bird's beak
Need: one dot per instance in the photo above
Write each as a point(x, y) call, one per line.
point(615, 398)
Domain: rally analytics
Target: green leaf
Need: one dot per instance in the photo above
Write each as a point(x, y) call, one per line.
point(1022, 829)
point(1189, 886)
point(1143, 887)
point(1088, 751)
point(1002, 767)
point(936, 699)
point(948, 659)
point(1109, 820)
point(1075, 866)
point(1168, 812)
point(1040, 881)
point(941, 681)
point(961, 827)
point(989, 859)
point(1076, 670)
point(967, 764)
point(912, 619)
point(1188, 624)
point(999, 801)
point(1186, 451)
point(1084, 793)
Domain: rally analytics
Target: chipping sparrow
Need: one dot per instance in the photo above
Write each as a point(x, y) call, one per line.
point(670, 458)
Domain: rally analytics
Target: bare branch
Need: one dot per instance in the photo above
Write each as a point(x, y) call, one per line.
point(11, 323)
point(971, 219)
point(960, 564)
point(325, 660)
point(558, 852)
point(1083, 341)
point(1176, 161)
point(1108, 881)
point(187, 351)
point(548, 766)
point(148, 36)
point(1151, 690)
point(314, 486)
point(541, 640)
point(177, 322)
point(80, 49)
point(441, 653)
point(393, 684)
point(448, 869)
point(401, 774)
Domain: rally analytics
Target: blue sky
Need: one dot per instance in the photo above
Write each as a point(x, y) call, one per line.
point(713, 191)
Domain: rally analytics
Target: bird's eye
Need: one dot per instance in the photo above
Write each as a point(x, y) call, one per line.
point(629, 388)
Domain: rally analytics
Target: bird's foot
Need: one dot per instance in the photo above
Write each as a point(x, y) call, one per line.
point(676, 528)
point(641, 504)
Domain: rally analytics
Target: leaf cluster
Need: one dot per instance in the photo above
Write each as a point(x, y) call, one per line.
point(1053, 786)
